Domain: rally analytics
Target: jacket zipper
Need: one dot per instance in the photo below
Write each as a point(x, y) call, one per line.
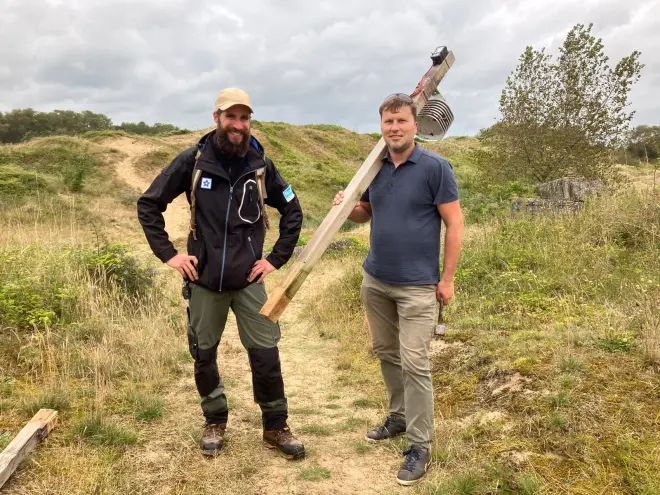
point(252, 247)
point(224, 247)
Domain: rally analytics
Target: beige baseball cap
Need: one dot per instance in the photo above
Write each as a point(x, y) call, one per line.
point(232, 96)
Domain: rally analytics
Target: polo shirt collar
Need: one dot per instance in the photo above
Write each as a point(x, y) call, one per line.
point(413, 158)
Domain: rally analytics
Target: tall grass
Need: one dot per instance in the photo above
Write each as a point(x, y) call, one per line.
point(81, 309)
point(87, 328)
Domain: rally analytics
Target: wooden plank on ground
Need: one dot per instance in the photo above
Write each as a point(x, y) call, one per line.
point(34, 432)
point(312, 252)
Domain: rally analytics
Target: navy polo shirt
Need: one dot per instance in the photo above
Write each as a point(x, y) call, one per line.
point(405, 223)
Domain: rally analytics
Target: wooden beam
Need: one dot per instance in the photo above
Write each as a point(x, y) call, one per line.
point(27, 439)
point(312, 252)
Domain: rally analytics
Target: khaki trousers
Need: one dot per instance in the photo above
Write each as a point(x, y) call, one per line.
point(401, 320)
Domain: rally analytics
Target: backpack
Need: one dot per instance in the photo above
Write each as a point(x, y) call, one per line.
point(261, 188)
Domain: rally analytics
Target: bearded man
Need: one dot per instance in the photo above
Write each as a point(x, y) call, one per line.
point(228, 179)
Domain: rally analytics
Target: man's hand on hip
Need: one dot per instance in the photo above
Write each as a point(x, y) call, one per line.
point(260, 268)
point(444, 292)
point(185, 265)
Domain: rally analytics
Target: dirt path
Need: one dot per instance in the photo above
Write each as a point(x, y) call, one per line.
point(177, 214)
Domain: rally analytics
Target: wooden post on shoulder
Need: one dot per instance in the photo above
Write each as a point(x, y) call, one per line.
point(36, 430)
point(312, 252)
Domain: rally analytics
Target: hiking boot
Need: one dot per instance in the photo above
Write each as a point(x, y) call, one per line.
point(284, 441)
point(212, 438)
point(414, 466)
point(393, 427)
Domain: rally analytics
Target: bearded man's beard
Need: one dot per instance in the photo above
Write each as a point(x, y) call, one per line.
point(227, 147)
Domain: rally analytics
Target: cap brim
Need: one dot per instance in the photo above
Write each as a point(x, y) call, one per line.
point(230, 104)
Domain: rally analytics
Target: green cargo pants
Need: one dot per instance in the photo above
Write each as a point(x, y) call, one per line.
point(208, 311)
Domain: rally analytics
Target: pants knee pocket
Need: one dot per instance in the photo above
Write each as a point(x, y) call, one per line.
point(207, 377)
point(266, 374)
point(193, 346)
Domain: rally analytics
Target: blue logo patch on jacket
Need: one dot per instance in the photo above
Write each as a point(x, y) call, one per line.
point(206, 183)
point(288, 194)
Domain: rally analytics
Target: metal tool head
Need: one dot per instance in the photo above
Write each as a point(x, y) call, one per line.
point(434, 119)
point(440, 328)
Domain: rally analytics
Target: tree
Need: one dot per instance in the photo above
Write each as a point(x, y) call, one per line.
point(644, 142)
point(562, 118)
point(23, 124)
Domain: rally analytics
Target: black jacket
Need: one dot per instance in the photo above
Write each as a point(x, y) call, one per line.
point(230, 231)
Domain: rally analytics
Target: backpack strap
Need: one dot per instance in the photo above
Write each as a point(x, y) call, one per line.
point(197, 173)
point(263, 194)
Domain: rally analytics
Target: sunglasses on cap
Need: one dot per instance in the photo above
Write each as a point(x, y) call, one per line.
point(403, 96)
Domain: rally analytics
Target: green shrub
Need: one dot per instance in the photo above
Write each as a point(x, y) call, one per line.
point(75, 170)
point(113, 265)
point(16, 184)
point(68, 159)
point(24, 305)
point(526, 267)
point(41, 286)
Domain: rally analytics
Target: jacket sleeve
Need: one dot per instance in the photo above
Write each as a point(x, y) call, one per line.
point(282, 197)
point(170, 183)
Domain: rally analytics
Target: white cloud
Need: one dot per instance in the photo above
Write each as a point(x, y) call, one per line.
point(302, 62)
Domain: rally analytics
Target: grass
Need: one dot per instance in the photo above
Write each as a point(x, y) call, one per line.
point(314, 473)
point(143, 406)
point(367, 404)
point(353, 423)
point(304, 411)
point(5, 439)
point(316, 430)
point(361, 447)
point(469, 483)
point(64, 163)
point(339, 315)
point(100, 432)
point(316, 161)
point(571, 364)
point(493, 478)
point(149, 164)
point(57, 400)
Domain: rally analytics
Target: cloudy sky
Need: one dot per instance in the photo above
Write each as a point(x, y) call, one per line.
point(301, 61)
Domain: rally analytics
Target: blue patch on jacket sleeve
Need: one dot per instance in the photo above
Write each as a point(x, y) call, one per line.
point(288, 194)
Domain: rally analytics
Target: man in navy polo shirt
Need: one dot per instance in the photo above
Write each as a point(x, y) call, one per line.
point(413, 194)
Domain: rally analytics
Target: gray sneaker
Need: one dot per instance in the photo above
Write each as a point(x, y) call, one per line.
point(393, 427)
point(414, 466)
